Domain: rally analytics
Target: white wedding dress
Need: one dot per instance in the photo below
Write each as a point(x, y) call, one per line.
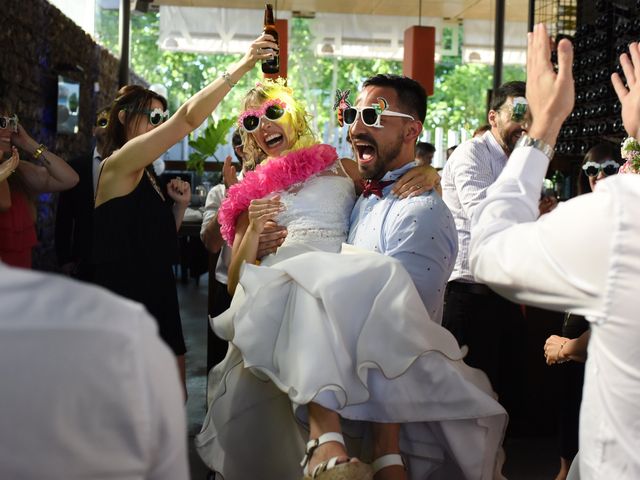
point(350, 332)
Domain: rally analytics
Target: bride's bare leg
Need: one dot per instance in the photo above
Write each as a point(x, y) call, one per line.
point(323, 420)
point(386, 439)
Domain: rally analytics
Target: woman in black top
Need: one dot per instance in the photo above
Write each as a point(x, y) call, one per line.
point(135, 221)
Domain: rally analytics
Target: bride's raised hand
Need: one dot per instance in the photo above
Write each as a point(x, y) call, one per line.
point(262, 48)
point(262, 210)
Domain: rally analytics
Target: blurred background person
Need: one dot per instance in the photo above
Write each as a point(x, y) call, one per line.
point(46, 172)
point(74, 217)
point(424, 153)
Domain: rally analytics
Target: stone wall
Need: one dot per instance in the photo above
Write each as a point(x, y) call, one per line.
point(38, 43)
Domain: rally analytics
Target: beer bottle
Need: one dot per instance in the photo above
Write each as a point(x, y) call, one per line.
point(270, 65)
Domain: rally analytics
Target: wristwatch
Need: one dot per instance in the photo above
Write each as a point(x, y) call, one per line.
point(527, 141)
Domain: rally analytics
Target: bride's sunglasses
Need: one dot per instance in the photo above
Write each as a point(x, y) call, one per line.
point(9, 122)
point(271, 110)
point(608, 167)
point(369, 115)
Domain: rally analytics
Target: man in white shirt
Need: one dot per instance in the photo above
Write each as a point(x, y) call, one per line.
point(89, 391)
point(492, 327)
point(583, 257)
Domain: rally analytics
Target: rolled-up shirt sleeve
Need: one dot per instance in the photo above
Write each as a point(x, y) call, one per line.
point(211, 206)
point(559, 261)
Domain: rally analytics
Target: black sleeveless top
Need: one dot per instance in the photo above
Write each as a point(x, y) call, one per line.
point(134, 248)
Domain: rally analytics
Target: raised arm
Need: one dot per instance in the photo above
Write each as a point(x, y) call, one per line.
point(144, 149)
point(248, 229)
point(52, 175)
point(7, 168)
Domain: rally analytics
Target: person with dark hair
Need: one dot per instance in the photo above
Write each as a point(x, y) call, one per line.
point(450, 151)
point(74, 216)
point(424, 153)
point(345, 341)
point(489, 325)
point(213, 242)
point(46, 172)
point(135, 220)
point(601, 161)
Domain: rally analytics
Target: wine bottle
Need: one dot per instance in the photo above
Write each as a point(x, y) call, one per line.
point(270, 65)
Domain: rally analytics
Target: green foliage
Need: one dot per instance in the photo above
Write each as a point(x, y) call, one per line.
point(459, 100)
point(206, 144)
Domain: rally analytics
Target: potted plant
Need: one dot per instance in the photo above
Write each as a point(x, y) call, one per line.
point(206, 144)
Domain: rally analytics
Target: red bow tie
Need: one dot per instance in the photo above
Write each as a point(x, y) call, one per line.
point(374, 187)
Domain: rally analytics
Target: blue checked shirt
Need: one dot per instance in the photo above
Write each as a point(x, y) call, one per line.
point(417, 231)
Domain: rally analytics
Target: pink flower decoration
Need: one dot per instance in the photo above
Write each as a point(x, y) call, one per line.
point(275, 175)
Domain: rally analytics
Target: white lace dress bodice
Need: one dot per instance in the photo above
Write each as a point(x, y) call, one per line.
point(318, 210)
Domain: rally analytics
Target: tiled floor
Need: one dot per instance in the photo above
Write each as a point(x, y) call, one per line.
point(527, 458)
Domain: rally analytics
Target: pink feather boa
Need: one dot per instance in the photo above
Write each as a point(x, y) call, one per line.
point(275, 175)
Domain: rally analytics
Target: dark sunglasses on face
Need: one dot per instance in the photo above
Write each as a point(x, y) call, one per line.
point(9, 122)
point(250, 120)
point(608, 167)
point(369, 115)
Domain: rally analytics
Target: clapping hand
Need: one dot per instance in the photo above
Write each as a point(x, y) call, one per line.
point(229, 173)
point(179, 191)
point(9, 166)
point(551, 95)
point(629, 95)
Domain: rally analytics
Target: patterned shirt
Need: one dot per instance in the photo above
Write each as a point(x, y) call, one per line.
point(470, 170)
point(417, 231)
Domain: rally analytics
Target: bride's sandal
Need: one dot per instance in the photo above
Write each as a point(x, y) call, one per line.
point(331, 469)
point(389, 460)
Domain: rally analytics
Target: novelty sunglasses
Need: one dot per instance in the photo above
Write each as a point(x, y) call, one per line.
point(271, 110)
point(608, 167)
point(369, 116)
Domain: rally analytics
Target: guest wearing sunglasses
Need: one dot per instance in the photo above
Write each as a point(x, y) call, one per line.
point(342, 341)
point(45, 172)
point(601, 161)
point(74, 216)
point(135, 219)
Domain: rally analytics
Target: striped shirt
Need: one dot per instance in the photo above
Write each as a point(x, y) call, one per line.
point(470, 170)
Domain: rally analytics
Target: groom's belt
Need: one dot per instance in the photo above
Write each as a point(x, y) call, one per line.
point(473, 288)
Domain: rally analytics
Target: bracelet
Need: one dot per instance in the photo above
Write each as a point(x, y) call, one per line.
point(630, 151)
point(39, 151)
point(562, 360)
point(227, 78)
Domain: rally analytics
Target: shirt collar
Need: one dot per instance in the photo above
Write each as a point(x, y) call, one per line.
point(96, 155)
point(494, 145)
point(397, 173)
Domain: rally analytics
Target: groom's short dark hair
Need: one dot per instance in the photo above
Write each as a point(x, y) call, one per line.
point(410, 93)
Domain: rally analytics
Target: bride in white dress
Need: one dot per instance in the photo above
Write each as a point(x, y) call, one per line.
point(309, 327)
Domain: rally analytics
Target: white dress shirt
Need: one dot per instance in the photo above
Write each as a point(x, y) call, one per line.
point(418, 231)
point(212, 205)
point(89, 391)
point(584, 257)
point(470, 170)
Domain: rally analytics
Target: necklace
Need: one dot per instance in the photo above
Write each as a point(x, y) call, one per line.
point(155, 185)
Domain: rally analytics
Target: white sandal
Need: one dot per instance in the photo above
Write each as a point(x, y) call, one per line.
point(388, 460)
point(331, 469)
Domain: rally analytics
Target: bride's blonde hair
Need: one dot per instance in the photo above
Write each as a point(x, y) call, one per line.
point(298, 116)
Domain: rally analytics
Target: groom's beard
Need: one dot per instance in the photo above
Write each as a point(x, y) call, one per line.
point(383, 156)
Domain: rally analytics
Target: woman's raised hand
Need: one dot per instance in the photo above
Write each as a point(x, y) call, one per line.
point(262, 48)
point(263, 210)
point(8, 167)
point(629, 95)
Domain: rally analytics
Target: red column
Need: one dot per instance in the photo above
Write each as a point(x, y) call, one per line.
point(419, 55)
point(282, 26)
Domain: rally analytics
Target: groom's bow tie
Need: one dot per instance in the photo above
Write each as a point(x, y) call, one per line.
point(374, 187)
